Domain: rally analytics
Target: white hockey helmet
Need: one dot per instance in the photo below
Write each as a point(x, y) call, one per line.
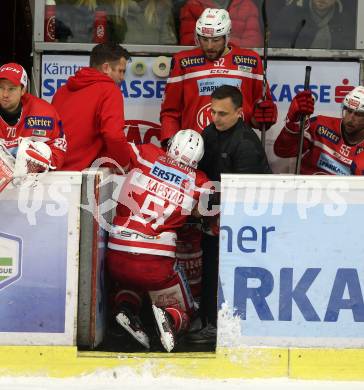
point(354, 100)
point(214, 22)
point(186, 147)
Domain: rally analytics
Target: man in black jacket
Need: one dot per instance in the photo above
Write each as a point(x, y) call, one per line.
point(315, 24)
point(231, 146)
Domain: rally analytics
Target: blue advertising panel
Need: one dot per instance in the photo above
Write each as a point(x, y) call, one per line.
point(36, 301)
point(39, 260)
point(291, 264)
point(11, 248)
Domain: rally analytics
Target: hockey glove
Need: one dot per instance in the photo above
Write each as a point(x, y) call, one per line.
point(301, 105)
point(32, 157)
point(265, 113)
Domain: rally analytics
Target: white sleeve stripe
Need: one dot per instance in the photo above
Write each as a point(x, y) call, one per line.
point(139, 158)
point(38, 138)
point(150, 251)
point(208, 72)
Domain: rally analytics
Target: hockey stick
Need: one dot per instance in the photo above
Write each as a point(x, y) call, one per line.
point(302, 123)
point(265, 60)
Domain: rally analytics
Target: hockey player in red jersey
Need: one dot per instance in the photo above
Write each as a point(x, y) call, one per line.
point(332, 146)
point(31, 135)
point(163, 189)
point(196, 73)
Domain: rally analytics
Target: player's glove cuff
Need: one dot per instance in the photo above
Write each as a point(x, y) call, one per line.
point(294, 127)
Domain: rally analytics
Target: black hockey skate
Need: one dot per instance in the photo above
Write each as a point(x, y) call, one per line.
point(164, 328)
point(132, 324)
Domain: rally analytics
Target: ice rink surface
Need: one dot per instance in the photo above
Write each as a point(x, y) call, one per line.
point(124, 379)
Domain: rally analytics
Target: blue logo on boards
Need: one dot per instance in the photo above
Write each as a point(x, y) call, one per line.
point(296, 290)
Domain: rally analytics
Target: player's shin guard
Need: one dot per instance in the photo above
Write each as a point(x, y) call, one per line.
point(180, 319)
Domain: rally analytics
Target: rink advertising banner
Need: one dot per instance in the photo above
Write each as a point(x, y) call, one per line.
point(291, 267)
point(146, 78)
point(39, 229)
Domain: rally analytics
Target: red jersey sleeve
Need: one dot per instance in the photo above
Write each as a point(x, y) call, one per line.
point(57, 143)
point(252, 88)
point(286, 144)
point(111, 117)
point(172, 105)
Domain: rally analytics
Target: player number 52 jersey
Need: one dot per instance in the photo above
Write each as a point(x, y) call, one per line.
point(193, 78)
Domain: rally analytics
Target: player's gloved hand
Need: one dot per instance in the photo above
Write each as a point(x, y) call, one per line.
point(32, 157)
point(265, 113)
point(302, 104)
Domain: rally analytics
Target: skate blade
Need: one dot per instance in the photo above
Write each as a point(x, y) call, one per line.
point(140, 336)
point(166, 337)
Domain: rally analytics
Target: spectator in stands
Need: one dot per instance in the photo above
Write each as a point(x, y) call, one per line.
point(92, 109)
point(231, 146)
point(147, 22)
point(315, 24)
point(74, 21)
point(244, 16)
point(273, 8)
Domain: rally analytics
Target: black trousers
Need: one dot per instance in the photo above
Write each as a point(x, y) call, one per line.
point(210, 271)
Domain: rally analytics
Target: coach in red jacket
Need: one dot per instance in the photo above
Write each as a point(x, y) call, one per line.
point(244, 18)
point(92, 109)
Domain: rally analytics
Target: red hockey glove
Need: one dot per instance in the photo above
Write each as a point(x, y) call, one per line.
point(265, 113)
point(301, 105)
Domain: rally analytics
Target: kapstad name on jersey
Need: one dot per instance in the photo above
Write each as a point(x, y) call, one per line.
point(174, 196)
